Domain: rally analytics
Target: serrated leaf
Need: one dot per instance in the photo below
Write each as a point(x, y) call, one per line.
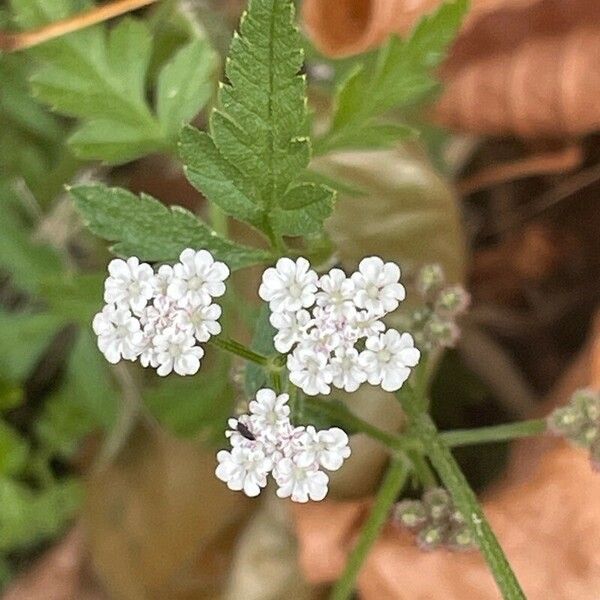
point(259, 146)
point(400, 75)
point(143, 227)
point(100, 76)
point(303, 209)
point(185, 85)
point(209, 172)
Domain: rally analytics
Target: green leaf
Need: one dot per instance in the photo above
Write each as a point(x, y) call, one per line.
point(11, 395)
point(25, 336)
point(100, 75)
point(400, 76)
point(189, 406)
point(74, 297)
point(262, 342)
point(303, 209)
point(143, 227)
point(185, 85)
point(26, 261)
point(29, 517)
point(87, 401)
point(374, 136)
point(258, 147)
point(14, 451)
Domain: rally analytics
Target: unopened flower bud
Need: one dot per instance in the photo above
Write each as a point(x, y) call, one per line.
point(441, 333)
point(452, 301)
point(410, 513)
point(438, 504)
point(430, 280)
point(589, 403)
point(568, 420)
point(459, 538)
point(431, 536)
point(588, 435)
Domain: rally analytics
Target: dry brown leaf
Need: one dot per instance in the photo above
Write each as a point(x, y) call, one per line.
point(345, 27)
point(544, 512)
point(524, 67)
point(160, 525)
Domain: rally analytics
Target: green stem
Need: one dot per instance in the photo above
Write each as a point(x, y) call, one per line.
point(463, 496)
point(389, 491)
point(495, 433)
point(238, 349)
point(340, 414)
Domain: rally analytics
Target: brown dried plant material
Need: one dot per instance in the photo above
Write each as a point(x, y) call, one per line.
point(61, 574)
point(544, 512)
point(345, 27)
point(524, 67)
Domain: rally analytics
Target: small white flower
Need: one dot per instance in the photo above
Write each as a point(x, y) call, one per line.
point(244, 469)
point(310, 370)
point(269, 412)
point(291, 326)
point(161, 280)
point(337, 293)
point(176, 351)
point(119, 334)
point(377, 286)
point(197, 278)
point(201, 321)
point(129, 284)
point(348, 374)
point(300, 483)
point(388, 358)
point(289, 286)
point(366, 324)
point(327, 448)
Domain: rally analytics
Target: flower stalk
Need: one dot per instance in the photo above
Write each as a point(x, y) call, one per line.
point(389, 491)
point(462, 495)
point(234, 347)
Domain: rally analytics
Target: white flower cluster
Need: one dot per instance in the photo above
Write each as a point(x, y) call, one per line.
point(160, 317)
point(321, 320)
point(265, 441)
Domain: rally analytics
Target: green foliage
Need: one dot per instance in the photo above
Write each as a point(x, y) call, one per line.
point(24, 337)
point(399, 76)
point(257, 146)
point(262, 342)
point(30, 516)
point(189, 406)
point(26, 261)
point(143, 227)
point(101, 77)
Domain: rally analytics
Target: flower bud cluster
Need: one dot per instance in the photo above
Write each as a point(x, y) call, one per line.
point(579, 422)
point(320, 321)
point(434, 324)
point(265, 441)
point(435, 521)
point(160, 317)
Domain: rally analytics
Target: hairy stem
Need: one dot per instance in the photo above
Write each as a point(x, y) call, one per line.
point(238, 349)
point(495, 433)
point(10, 42)
point(462, 494)
point(389, 491)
